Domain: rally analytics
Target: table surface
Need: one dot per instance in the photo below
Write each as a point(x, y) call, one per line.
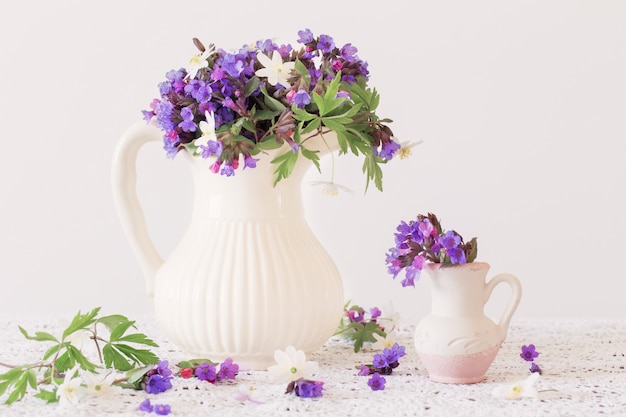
point(583, 362)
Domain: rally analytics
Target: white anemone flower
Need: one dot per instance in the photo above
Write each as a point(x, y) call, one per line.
point(198, 61)
point(276, 71)
point(384, 342)
point(405, 149)
point(70, 391)
point(331, 188)
point(208, 131)
point(291, 365)
point(99, 385)
point(248, 393)
point(519, 389)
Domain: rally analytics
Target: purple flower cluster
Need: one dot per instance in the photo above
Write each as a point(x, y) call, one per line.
point(159, 379)
point(305, 388)
point(423, 240)
point(206, 371)
point(529, 354)
point(246, 110)
point(383, 364)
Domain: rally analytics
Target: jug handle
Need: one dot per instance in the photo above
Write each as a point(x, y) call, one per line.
point(124, 182)
point(516, 294)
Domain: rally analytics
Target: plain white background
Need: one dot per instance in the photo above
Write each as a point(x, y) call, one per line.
point(521, 107)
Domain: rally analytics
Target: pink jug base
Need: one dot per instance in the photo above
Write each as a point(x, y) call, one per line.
point(458, 369)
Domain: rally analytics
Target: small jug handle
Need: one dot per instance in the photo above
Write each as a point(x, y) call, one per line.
point(124, 182)
point(516, 294)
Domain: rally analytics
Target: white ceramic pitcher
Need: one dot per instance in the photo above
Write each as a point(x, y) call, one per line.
point(249, 276)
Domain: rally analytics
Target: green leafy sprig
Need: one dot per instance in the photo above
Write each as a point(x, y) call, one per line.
point(122, 350)
point(358, 328)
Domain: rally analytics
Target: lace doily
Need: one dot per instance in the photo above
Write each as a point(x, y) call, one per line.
point(583, 363)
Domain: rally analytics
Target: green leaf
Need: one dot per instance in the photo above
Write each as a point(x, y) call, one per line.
point(78, 357)
point(286, 163)
point(264, 114)
point(311, 155)
point(138, 338)
point(54, 349)
point(120, 329)
point(47, 396)
point(333, 124)
point(313, 125)
point(111, 321)
point(194, 363)
point(39, 336)
point(135, 376)
point(113, 358)
point(365, 333)
point(81, 321)
point(21, 385)
point(271, 102)
point(302, 115)
point(251, 86)
point(304, 73)
point(142, 356)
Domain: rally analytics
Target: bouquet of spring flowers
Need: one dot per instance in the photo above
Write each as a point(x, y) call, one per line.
point(231, 106)
point(424, 240)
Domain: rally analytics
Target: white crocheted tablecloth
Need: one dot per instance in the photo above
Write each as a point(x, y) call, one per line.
point(583, 363)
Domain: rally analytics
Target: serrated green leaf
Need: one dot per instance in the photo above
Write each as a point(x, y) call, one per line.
point(113, 358)
point(81, 321)
point(64, 361)
point(333, 124)
point(142, 356)
point(19, 387)
point(111, 321)
point(47, 396)
point(286, 163)
point(302, 115)
point(78, 357)
point(312, 156)
point(51, 351)
point(39, 336)
point(138, 338)
point(319, 102)
point(365, 333)
point(313, 125)
point(119, 330)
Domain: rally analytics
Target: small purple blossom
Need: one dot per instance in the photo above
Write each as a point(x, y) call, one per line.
point(301, 98)
point(206, 372)
point(326, 44)
point(187, 125)
point(145, 406)
point(249, 162)
point(228, 369)
point(306, 36)
point(309, 389)
point(375, 312)
point(162, 409)
point(534, 368)
point(348, 52)
point(389, 149)
point(364, 370)
point(157, 384)
point(529, 353)
point(377, 382)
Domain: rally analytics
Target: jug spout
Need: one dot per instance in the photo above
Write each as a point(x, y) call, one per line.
point(130, 213)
